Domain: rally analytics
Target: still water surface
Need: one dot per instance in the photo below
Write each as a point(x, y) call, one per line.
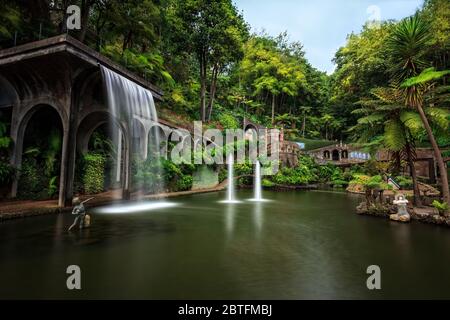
point(301, 245)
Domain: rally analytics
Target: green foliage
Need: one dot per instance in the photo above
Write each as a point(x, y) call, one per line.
point(442, 207)
point(30, 181)
point(228, 121)
point(10, 20)
point(184, 183)
point(371, 183)
point(52, 186)
point(300, 175)
point(94, 170)
point(241, 169)
point(405, 183)
point(223, 174)
point(266, 183)
point(7, 172)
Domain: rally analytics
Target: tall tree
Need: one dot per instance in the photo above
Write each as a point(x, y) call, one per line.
point(215, 32)
point(407, 46)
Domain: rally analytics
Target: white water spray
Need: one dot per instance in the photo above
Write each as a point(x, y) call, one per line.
point(231, 197)
point(257, 184)
point(258, 188)
point(230, 191)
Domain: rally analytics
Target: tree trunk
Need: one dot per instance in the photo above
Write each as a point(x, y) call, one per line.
point(213, 90)
point(203, 87)
point(63, 26)
point(304, 125)
point(85, 9)
point(273, 108)
point(437, 154)
point(417, 200)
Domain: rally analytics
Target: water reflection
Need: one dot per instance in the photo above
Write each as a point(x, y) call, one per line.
point(229, 220)
point(258, 217)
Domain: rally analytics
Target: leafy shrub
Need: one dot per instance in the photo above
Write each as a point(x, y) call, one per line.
point(184, 183)
point(30, 180)
point(405, 183)
point(223, 174)
point(371, 183)
point(93, 176)
point(442, 207)
point(6, 173)
point(241, 169)
point(228, 121)
point(299, 175)
point(52, 187)
point(325, 172)
point(267, 183)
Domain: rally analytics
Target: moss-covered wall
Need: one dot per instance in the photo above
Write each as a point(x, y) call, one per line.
point(205, 177)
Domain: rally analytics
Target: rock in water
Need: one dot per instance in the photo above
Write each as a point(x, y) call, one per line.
point(400, 218)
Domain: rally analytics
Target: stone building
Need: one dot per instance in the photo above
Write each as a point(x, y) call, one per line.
point(339, 154)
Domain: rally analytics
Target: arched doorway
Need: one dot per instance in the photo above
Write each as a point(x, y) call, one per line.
point(344, 154)
point(326, 154)
point(335, 155)
point(41, 154)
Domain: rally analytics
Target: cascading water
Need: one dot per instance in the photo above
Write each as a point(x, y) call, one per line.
point(133, 107)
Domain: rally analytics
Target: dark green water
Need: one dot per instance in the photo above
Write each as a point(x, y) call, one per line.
point(300, 245)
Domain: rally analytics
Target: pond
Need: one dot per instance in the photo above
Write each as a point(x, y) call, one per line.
point(300, 245)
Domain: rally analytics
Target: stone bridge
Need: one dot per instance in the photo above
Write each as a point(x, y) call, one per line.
point(62, 75)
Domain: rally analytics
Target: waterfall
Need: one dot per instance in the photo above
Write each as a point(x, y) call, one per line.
point(126, 99)
point(133, 107)
point(257, 184)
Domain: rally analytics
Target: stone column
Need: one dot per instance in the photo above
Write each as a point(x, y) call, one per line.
point(68, 160)
point(16, 155)
point(126, 193)
point(64, 165)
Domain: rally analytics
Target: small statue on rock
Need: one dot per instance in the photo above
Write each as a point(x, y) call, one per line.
point(402, 214)
point(82, 219)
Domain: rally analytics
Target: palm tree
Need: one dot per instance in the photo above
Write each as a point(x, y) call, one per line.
point(407, 48)
point(387, 123)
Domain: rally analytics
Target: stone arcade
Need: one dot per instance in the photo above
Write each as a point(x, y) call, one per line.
point(63, 75)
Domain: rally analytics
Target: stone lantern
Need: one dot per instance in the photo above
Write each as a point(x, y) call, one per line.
point(402, 214)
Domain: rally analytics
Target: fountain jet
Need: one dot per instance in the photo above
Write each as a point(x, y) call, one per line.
point(257, 184)
point(231, 198)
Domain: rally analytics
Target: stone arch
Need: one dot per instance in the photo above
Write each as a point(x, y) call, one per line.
point(8, 94)
point(344, 154)
point(18, 136)
point(121, 137)
point(139, 142)
point(157, 134)
point(326, 154)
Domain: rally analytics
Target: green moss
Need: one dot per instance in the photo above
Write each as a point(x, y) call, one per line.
point(94, 173)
